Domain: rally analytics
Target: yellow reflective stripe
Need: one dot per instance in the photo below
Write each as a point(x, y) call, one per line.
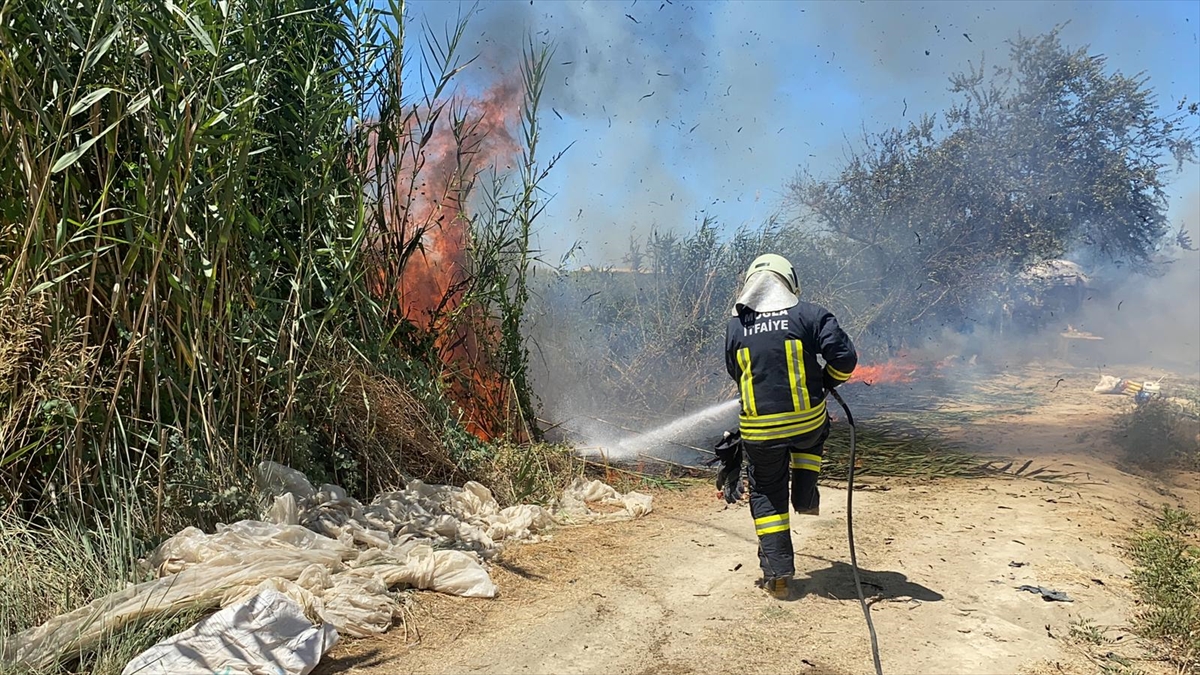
point(781, 432)
point(771, 524)
point(807, 425)
point(741, 381)
point(766, 421)
point(785, 429)
point(790, 348)
point(836, 374)
point(767, 520)
point(799, 353)
point(804, 460)
point(747, 382)
point(785, 416)
point(780, 435)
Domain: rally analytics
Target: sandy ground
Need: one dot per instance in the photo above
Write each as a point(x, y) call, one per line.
point(674, 592)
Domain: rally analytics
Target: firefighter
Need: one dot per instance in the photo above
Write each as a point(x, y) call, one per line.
point(772, 345)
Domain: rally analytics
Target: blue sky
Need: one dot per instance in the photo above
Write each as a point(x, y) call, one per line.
point(684, 109)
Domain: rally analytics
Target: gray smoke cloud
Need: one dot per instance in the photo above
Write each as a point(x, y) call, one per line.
point(1150, 322)
point(683, 110)
point(668, 103)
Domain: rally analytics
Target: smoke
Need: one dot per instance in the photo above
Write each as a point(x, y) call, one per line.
point(1150, 325)
point(668, 107)
point(682, 110)
point(679, 111)
point(621, 88)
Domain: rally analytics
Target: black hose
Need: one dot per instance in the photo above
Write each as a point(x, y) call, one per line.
point(850, 534)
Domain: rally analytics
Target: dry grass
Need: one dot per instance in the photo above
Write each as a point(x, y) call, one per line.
point(388, 429)
point(46, 570)
point(45, 385)
point(529, 473)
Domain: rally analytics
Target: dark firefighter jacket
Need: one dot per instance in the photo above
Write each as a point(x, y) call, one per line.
point(773, 358)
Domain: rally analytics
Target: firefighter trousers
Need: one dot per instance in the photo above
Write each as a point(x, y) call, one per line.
point(770, 472)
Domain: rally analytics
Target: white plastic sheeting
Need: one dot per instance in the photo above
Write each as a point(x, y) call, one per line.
point(576, 499)
point(267, 634)
point(335, 557)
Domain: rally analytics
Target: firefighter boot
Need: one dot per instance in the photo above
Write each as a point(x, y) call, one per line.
point(776, 587)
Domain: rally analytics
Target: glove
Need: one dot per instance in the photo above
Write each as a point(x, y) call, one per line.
point(729, 482)
point(729, 478)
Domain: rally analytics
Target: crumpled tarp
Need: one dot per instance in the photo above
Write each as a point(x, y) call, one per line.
point(269, 628)
point(339, 559)
point(576, 501)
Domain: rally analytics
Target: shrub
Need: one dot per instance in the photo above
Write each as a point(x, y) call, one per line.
point(1161, 433)
point(1166, 575)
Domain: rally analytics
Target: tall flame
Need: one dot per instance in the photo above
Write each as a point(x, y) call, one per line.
point(430, 283)
point(431, 286)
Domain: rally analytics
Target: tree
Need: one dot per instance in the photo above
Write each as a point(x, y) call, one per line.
point(1048, 155)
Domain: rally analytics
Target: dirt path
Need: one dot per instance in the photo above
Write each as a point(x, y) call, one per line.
point(674, 592)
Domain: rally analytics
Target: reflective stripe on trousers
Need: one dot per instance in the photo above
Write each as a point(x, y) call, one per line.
point(770, 472)
point(806, 460)
point(806, 469)
point(772, 524)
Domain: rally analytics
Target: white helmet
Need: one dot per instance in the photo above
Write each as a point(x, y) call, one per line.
point(770, 262)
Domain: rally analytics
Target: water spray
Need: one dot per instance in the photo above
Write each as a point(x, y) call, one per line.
point(643, 444)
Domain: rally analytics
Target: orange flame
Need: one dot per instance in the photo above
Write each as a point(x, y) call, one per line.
point(890, 372)
point(431, 286)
